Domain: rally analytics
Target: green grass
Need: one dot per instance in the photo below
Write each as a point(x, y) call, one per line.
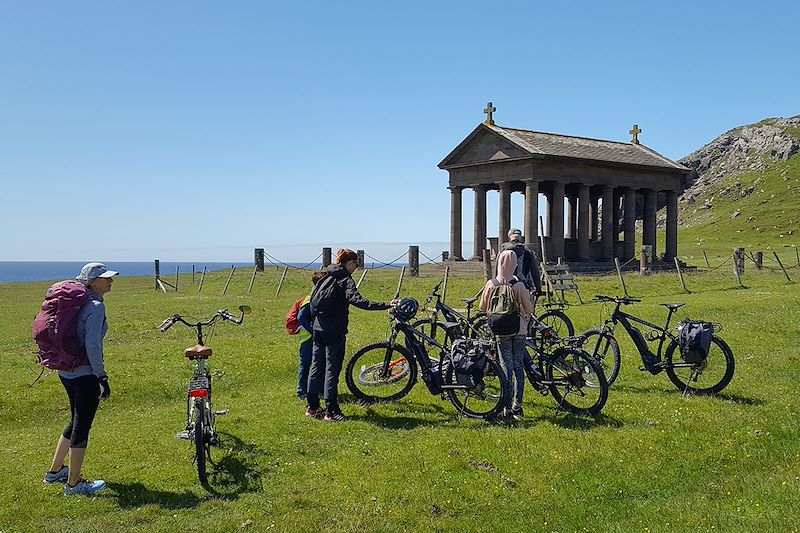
point(653, 461)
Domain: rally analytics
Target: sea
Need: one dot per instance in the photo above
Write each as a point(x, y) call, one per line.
point(21, 271)
point(18, 271)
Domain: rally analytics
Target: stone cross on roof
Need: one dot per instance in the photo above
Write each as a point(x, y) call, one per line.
point(635, 132)
point(489, 110)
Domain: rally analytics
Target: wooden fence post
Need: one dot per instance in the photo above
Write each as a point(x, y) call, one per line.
point(738, 260)
point(253, 278)
point(759, 260)
point(707, 263)
point(202, 277)
point(487, 264)
point(177, 275)
point(360, 254)
point(192, 274)
point(280, 283)
point(797, 253)
point(446, 278)
point(413, 260)
point(621, 279)
point(680, 275)
point(541, 240)
point(259, 259)
point(645, 259)
point(736, 268)
point(778, 259)
point(157, 265)
point(400, 282)
point(326, 257)
point(363, 275)
point(230, 276)
point(445, 255)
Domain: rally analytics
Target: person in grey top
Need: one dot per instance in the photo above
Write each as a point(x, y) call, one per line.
point(86, 385)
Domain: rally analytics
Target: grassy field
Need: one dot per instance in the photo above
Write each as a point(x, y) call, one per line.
point(653, 461)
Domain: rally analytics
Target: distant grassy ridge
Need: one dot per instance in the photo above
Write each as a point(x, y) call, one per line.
point(653, 461)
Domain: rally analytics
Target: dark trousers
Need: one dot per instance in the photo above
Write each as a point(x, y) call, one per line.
point(84, 397)
point(326, 365)
point(306, 350)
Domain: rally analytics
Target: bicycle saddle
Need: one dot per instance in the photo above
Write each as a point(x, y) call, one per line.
point(673, 307)
point(469, 301)
point(197, 351)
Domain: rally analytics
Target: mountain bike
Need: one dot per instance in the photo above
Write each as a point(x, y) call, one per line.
point(707, 377)
point(200, 416)
point(387, 371)
point(559, 366)
point(476, 326)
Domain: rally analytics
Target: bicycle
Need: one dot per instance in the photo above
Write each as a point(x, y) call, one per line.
point(476, 327)
point(387, 371)
point(200, 416)
point(563, 368)
point(716, 369)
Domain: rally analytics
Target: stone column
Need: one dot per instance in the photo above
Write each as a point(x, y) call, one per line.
point(479, 223)
point(672, 227)
point(583, 222)
point(531, 228)
point(595, 217)
point(572, 216)
point(455, 223)
point(557, 220)
point(607, 234)
point(629, 224)
point(649, 222)
point(504, 205)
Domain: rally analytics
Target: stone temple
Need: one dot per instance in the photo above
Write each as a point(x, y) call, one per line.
point(599, 179)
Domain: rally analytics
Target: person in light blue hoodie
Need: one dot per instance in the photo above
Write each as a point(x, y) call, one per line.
point(85, 384)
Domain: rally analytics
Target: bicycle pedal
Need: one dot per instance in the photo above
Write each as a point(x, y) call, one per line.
point(182, 435)
point(221, 412)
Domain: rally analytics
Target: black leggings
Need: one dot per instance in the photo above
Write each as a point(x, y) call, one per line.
point(84, 397)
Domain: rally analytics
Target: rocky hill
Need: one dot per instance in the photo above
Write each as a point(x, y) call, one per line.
point(742, 150)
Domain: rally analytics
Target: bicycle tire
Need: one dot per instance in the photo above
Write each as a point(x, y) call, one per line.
point(607, 352)
point(363, 378)
point(439, 333)
point(201, 442)
point(576, 381)
point(483, 401)
point(559, 321)
point(719, 377)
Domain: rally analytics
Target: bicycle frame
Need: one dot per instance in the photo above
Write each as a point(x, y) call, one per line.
point(626, 319)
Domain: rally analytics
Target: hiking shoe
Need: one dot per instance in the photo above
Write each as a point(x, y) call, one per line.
point(334, 417)
point(315, 413)
point(517, 414)
point(59, 476)
point(84, 486)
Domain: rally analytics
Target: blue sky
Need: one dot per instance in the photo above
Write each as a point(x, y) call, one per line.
point(200, 130)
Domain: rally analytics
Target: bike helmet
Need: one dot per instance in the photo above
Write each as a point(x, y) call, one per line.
point(406, 309)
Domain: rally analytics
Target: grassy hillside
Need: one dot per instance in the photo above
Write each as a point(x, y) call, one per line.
point(768, 216)
point(653, 461)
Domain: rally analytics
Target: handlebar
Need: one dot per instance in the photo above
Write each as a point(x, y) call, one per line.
point(624, 300)
point(224, 314)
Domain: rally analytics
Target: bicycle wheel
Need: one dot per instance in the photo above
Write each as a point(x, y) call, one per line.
point(708, 377)
point(559, 321)
point(435, 330)
point(201, 440)
point(380, 372)
point(485, 399)
point(479, 328)
point(606, 352)
point(576, 381)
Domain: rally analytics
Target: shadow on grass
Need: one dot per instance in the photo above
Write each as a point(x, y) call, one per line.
point(373, 415)
point(735, 398)
point(235, 471)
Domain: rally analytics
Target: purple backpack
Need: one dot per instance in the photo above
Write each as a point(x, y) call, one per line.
point(55, 326)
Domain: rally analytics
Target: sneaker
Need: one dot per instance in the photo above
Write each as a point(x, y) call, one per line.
point(334, 417)
point(517, 414)
point(84, 486)
point(315, 413)
point(59, 476)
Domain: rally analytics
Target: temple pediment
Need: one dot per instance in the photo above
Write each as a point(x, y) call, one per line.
point(483, 145)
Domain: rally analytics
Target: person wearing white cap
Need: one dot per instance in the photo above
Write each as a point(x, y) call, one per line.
point(85, 384)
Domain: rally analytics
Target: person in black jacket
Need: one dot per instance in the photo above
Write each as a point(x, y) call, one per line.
point(527, 266)
point(329, 333)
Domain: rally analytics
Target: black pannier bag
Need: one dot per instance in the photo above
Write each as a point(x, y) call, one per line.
point(694, 339)
point(469, 361)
